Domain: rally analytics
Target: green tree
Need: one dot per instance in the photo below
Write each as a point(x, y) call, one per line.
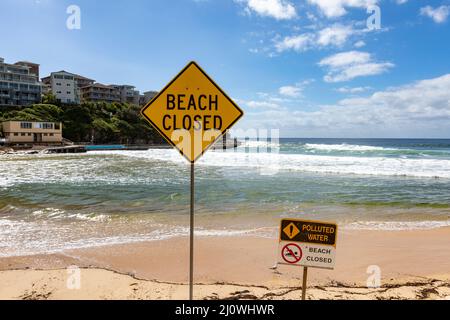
point(104, 122)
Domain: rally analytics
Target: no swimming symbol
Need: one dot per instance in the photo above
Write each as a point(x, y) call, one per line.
point(291, 253)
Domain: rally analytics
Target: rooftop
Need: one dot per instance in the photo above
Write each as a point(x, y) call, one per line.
point(99, 85)
point(73, 74)
point(28, 62)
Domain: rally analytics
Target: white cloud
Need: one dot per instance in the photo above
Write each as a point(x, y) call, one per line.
point(286, 95)
point(426, 99)
point(335, 35)
point(278, 9)
point(336, 8)
point(439, 15)
point(262, 105)
point(298, 43)
point(360, 44)
point(401, 1)
point(349, 65)
point(295, 91)
point(311, 16)
point(420, 109)
point(290, 91)
point(346, 58)
point(353, 90)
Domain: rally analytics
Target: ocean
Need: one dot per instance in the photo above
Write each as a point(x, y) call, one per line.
point(50, 203)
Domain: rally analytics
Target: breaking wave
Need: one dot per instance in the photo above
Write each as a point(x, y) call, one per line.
point(376, 166)
point(344, 147)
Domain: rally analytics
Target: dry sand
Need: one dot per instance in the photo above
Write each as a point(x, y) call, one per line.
point(413, 264)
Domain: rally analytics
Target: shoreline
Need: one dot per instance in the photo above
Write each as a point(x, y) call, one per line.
point(413, 265)
point(107, 231)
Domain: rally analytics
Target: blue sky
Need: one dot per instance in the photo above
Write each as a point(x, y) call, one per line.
point(310, 68)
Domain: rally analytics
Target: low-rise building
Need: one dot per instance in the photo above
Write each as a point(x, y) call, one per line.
point(66, 86)
point(19, 84)
point(32, 132)
point(99, 92)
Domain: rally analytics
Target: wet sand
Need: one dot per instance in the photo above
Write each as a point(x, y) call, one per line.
point(413, 265)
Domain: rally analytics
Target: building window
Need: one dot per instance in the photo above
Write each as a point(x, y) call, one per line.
point(29, 134)
point(45, 134)
point(23, 134)
point(51, 134)
point(57, 127)
point(26, 125)
point(15, 134)
point(68, 92)
point(44, 125)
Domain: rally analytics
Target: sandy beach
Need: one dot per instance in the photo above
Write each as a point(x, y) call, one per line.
point(413, 265)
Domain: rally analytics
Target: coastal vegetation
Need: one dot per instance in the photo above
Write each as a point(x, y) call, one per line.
point(94, 122)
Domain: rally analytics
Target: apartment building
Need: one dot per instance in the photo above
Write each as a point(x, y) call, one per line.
point(19, 84)
point(147, 97)
point(83, 81)
point(73, 88)
point(33, 67)
point(99, 92)
point(128, 94)
point(32, 132)
point(66, 86)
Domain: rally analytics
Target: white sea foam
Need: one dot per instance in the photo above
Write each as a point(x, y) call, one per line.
point(343, 147)
point(51, 213)
point(81, 168)
point(377, 166)
point(28, 238)
point(58, 214)
point(397, 225)
point(259, 144)
point(12, 228)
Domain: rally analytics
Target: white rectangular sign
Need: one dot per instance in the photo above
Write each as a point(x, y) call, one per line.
point(307, 255)
point(307, 243)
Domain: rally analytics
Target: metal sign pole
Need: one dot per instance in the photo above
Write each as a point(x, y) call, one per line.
point(191, 237)
point(305, 276)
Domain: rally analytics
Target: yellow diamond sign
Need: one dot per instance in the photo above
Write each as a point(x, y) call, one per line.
point(192, 112)
point(291, 230)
